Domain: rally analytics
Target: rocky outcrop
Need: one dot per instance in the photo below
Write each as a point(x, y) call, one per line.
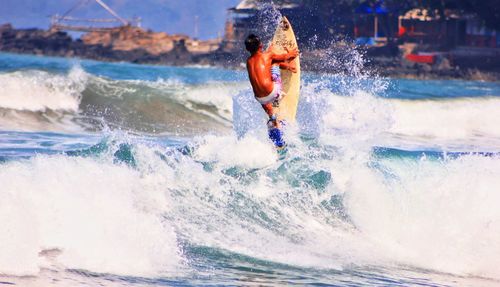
point(127, 43)
point(34, 41)
point(127, 38)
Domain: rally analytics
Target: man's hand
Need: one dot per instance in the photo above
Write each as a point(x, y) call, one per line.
point(289, 66)
point(292, 54)
point(281, 57)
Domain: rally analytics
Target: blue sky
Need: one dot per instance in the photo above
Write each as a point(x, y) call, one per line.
point(171, 16)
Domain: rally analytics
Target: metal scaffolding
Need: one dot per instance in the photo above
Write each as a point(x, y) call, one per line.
point(68, 23)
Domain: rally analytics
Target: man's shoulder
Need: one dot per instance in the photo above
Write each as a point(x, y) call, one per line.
point(252, 59)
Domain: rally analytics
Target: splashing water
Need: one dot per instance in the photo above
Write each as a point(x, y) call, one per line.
point(168, 178)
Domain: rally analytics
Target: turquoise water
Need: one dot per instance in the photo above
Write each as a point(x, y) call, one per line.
point(117, 174)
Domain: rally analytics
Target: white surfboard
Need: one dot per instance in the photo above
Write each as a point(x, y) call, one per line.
point(285, 38)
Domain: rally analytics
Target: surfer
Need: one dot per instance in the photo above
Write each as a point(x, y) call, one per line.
point(264, 74)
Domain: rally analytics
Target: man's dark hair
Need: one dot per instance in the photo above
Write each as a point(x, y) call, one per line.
point(252, 43)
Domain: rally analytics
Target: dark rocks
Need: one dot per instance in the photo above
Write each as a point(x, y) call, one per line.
point(34, 41)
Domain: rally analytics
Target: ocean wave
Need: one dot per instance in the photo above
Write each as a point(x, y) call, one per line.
point(366, 119)
point(56, 219)
point(79, 101)
point(452, 119)
point(38, 100)
point(39, 91)
point(436, 214)
point(321, 208)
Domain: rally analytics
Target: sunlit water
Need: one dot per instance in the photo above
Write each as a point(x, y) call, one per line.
point(116, 174)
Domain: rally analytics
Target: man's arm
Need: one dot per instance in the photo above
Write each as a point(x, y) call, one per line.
point(284, 56)
point(288, 66)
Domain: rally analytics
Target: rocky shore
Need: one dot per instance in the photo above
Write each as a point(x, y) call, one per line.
point(128, 44)
point(136, 45)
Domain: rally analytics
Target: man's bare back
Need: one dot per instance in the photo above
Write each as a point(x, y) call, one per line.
point(259, 69)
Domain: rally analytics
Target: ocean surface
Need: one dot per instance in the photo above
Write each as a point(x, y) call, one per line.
point(115, 174)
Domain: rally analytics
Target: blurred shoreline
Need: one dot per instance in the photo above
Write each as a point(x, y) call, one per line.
point(135, 45)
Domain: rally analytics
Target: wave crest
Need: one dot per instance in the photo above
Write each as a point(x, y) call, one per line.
point(39, 91)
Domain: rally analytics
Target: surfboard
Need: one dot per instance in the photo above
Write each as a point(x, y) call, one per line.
point(284, 37)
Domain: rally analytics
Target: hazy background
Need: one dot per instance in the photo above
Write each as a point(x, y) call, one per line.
point(171, 16)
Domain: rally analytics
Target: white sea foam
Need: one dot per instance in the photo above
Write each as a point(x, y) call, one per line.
point(216, 95)
point(365, 118)
point(452, 119)
point(438, 215)
point(40, 91)
point(426, 213)
point(248, 115)
point(105, 217)
point(83, 214)
point(248, 152)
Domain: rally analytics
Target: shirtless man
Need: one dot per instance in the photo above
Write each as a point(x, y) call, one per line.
point(264, 74)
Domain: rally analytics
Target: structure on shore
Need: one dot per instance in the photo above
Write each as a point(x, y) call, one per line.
point(69, 23)
point(120, 34)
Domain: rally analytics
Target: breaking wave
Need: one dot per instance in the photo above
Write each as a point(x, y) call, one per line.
point(78, 101)
point(132, 208)
point(371, 188)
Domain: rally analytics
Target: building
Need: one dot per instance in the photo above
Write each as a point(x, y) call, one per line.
point(254, 16)
point(442, 30)
point(477, 35)
point(447, 30)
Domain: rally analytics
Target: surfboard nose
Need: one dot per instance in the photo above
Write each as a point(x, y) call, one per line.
point(285, 24)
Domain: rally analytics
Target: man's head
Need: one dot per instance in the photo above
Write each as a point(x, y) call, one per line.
point(253, 43)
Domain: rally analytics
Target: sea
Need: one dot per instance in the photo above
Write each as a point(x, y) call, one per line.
point(119, 174)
